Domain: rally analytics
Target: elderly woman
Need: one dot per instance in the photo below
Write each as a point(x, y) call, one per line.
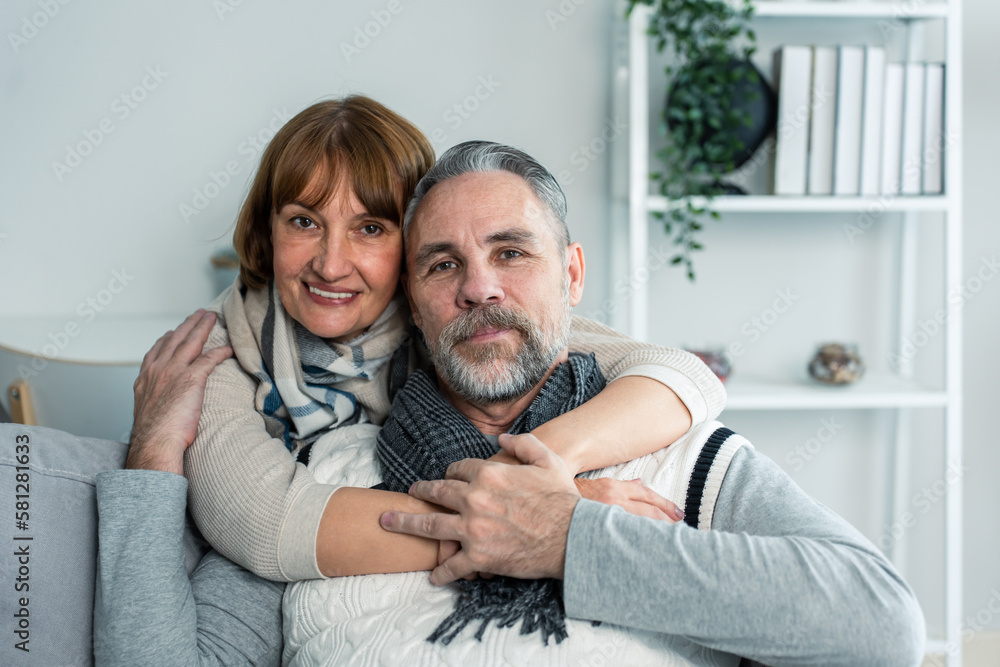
point(321, 338)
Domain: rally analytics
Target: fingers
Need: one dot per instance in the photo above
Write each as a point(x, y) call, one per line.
point(457, 567)
point(447, 493)
point(530, 450)
point(435, 525)
point(212, 358)
point(654, 499)
point(175, 339)
point(465, 470)
point(194, 340)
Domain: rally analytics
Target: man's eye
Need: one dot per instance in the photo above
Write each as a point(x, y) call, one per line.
point(443, 266)
point(510, 254)
point(302, 222)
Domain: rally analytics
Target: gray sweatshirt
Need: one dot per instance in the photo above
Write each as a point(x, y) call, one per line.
point(147, 611)
point(780, 579)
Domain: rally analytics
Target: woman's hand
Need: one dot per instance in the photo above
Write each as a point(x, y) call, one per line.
point(169, 392)
point(632, 496)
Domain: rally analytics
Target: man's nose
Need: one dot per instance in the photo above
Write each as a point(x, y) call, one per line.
point(333, 259)
point(481, 285)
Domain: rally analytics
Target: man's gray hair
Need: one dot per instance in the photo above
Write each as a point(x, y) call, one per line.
point(484, 157)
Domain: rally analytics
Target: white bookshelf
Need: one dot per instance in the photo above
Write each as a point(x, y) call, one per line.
point(896, 392)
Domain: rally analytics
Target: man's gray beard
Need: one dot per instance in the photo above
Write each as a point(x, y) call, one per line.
point(495, 373)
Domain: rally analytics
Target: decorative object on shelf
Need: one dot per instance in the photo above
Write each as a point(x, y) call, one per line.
point(716, 361)
point(835, 363)
point(227, 266)
point(718, 102)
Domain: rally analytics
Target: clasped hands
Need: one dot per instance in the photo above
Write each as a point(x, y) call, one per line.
point(514, 519)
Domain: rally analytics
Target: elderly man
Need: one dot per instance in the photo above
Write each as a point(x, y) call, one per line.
point(778, 578)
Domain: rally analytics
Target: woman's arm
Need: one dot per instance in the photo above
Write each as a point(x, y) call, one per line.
point(654, 396)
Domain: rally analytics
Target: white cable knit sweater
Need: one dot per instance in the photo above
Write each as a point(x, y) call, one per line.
point(384, 619)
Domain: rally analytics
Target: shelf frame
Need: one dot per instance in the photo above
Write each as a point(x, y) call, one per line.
point(949, 205)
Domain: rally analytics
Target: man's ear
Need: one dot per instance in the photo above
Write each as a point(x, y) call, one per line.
point(576, 267)
point(405, 280)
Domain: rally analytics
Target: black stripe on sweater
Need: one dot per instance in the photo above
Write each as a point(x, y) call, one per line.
point(692, 505)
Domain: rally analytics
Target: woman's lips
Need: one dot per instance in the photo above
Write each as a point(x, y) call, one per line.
point(336, 296)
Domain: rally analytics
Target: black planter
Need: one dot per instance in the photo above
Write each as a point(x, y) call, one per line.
point(750, 92)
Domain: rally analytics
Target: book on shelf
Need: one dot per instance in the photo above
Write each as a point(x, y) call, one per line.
point(823, 118)
point(793, 81)
point(849, 117)
point(892, 128)
point(934, 144)
point(911, 176)
point(871, 122)
point(850, 124)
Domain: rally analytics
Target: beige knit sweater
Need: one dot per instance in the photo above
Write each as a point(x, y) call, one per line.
point(262, 509)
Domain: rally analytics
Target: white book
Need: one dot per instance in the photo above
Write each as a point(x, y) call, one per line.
point(871, 121)
point(911, 178)
point(793, 81)
point(934, 148)
point(892, 129)
point(847, 128)
point(823, 120)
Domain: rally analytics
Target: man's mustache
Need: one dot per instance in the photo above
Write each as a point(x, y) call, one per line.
point(472, 321)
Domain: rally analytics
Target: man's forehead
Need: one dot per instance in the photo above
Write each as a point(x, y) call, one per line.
point(479, 205)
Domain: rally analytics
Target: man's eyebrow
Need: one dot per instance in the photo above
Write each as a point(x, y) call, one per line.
point(512, 235)
point(428, 251)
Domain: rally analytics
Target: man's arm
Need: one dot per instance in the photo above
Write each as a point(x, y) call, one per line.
point(781, 579)
point(146, 610)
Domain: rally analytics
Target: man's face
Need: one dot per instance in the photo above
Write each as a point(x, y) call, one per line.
point(489, 286)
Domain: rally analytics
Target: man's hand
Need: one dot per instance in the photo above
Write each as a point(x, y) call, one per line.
point(512, 520)
point(631, 496)
point(169, 392)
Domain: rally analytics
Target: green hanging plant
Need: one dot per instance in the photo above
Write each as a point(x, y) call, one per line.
point(710, 44)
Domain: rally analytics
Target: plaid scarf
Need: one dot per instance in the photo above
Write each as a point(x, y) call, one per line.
point(425, 434)
point(307, 382)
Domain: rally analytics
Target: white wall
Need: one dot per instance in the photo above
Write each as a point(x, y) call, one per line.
point(61, 236)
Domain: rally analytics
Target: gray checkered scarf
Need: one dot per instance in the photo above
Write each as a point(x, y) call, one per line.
point(425, 434)
point(307, 382)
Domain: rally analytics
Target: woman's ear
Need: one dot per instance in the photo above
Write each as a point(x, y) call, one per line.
point(576, 268)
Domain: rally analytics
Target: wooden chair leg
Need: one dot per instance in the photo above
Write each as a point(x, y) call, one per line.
point(21, 408)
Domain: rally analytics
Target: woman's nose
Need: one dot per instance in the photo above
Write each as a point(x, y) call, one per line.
point(333, 259)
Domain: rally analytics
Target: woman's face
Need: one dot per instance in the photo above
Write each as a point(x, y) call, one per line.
point(336, 267)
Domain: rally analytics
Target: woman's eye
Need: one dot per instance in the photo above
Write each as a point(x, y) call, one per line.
point(302, 222)
point(372, 230)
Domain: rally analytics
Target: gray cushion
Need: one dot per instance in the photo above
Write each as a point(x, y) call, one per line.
point(62, 522)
